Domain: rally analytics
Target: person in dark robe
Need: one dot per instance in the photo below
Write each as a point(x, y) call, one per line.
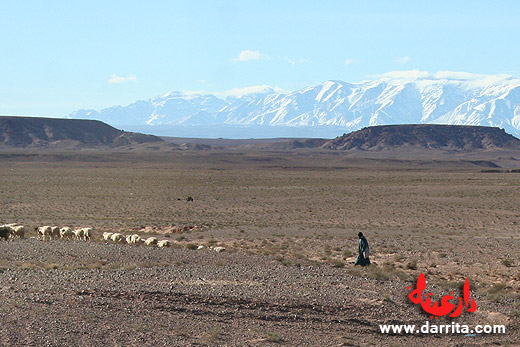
point(363, 257)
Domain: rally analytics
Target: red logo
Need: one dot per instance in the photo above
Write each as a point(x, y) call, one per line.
point(445, 307)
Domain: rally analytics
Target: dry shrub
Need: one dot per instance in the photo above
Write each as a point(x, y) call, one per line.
point(37, 265)
point(497, 288)
point(51, 266)
point(337, 263)
point(378, 273)
point(4, 265)
point(283, 261)
point(347, 253)
point(399, 258)
point(451, 285)
point(213, 334)
point(500, 291)
point(412, 265)
point(99, 265)
point(274, 337)
point(30, 265)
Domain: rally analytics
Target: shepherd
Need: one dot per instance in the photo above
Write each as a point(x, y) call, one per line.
point(364, 251)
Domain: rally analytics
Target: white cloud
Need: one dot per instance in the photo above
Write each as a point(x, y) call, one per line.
point(115, 79)
point(409, 74)
point(294, 62)
point(262, 89)
point(238, 92)
point(248, 55)
point(349, 61)
point(472, 78)
point(468, 76)
point(457, 75)
point(403, 60)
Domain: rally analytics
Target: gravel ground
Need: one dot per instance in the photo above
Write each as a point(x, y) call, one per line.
point(67, 293)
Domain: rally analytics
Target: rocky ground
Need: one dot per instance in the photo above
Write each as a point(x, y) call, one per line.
point(66, 293)
point(288, 222)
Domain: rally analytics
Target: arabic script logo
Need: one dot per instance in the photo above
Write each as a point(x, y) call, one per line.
point(445, 307)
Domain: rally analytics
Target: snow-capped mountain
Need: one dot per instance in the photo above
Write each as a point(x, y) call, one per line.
point(335, 105)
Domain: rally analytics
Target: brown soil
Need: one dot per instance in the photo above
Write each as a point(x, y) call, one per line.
point(288, 222)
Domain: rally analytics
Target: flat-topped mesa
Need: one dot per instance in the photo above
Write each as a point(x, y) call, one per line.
point(445, 137)
point(38, 132)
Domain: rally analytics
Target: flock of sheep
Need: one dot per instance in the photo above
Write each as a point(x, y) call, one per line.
point(15, 230)
point(63, 233)
point(135, 239)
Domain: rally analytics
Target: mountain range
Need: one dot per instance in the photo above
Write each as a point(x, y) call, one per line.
point(324, 110)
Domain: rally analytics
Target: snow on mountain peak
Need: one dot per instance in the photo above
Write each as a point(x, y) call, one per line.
point(398, 97)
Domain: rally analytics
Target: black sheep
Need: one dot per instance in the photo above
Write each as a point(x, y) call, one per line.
point(4, 232)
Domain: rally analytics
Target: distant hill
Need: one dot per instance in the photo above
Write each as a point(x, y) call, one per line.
point(444, 137)
point(77, 133)
point(226, 142)
point(287, 145)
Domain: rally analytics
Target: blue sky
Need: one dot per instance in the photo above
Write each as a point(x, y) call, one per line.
point(60, 56)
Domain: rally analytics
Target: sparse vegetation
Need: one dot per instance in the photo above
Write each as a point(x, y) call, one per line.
point(497, 288)
point(347, 253)
point(274, 337)
point(388, 299)
point(348, 341)
point(337, 263)
point(214, 334)
point(412, 218)
point(412, 264)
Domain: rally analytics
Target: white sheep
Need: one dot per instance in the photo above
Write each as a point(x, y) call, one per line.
point(43, 232)
point(78, 233)
point(87, 234)
point(118, 238)
point(17, 231)
point(150, 241)
point(55, 232)
point(136, 239)
point(128, 239)
point(107, 236)
point(164, 243)
point(66, 233)
point(219, 249)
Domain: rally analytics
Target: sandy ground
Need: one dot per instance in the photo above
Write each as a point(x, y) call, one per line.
point(289, 226)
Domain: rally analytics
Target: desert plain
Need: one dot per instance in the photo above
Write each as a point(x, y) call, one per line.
point(288, 221)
